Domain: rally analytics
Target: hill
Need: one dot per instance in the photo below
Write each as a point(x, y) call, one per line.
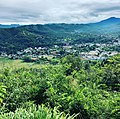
point(14, 39)
point(111, 20)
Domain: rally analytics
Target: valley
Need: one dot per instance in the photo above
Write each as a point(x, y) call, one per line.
point(60, 71)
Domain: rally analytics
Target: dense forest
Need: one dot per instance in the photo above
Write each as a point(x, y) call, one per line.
point(71, 89)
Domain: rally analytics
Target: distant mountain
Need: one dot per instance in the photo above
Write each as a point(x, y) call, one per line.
point(107, 26)
point(111, 20)
point(9, 26)
point(17, 38)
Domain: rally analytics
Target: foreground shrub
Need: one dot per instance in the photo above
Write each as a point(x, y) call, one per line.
point(23, 85)
point(84, 89)
point(34, 112)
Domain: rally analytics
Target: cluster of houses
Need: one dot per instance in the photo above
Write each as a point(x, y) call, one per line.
point(97, 54)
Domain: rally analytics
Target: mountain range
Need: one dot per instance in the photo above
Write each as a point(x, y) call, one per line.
point(93, 27)
point(15, 37)
point(9, 26)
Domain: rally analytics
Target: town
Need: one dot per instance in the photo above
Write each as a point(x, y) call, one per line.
point(87, 51)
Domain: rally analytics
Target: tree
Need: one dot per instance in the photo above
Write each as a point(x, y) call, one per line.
point(27, 59)
point(112, 72)
point(71, 63)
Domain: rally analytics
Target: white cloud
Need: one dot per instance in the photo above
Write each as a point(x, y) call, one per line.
point(54, 11)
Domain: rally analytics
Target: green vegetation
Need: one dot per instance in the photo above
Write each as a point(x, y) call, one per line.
point(20, 38)
point(2, 92)
point(42, 75)
point(71, 89)
point(34, 112)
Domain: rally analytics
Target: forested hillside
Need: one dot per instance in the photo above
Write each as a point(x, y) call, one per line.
point(16, 39)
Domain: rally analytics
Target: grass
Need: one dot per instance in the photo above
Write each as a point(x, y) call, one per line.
point(5, 62)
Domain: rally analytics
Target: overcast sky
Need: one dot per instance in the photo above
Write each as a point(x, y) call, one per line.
point(57, 11)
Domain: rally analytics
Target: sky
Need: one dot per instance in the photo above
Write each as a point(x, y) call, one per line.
point(57, 11)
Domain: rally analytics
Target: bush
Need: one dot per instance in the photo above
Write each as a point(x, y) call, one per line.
point(27, 59)
point(34, 112)
point(23, 85)
point(83, 91)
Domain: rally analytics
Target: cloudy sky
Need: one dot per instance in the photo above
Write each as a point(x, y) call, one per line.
point(57, 11)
